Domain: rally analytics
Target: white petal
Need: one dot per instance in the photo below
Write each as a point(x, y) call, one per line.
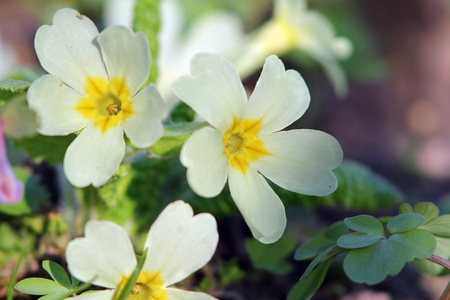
point(214, 90)
point(202, 155)
point(96, 295)
point(301, 161)
point(93, 157)
point(53, 102)
point(177, 294)
point(179, 243)
point(280, 97)
point(103, 256)
point(261, 208)
point(144, 127)
point(126, 54)
point(66, 49)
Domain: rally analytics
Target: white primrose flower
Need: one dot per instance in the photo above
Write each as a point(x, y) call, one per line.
point(177, 244)
point(94, 86)
point(245, 141)
point(293, 26)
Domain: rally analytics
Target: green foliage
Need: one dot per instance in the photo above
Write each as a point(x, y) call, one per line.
point(376, 247)
point(59, 288)
point(271, 257)
point(51, 148)
point(136, 192)
point(9, 294)
point(230, 272)
point(147, 20)
point(439, 226)
point(371, 250)
point(182, 113)
point(174, 137)
point(307, 287)
point(322, 242)
point(358, 188)
point(10, 87)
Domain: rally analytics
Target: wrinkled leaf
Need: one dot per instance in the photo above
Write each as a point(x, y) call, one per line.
point(307, 287)
point(327, 254)
point(405, 222)
point(10, 87)
point(358, 188)
point(365, 224)
point(271, 257)
point(51, 148)
point(174, 137)
point(321, 242)
point(357, 240)
point(39, 286)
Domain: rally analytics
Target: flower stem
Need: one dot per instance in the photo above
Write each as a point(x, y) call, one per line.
point(440, 261)
point(445, 263)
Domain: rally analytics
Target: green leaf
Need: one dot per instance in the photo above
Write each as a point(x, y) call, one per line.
point(39, 286)
point(174, 137)
point(271, 257)
point(321, 242)
point(132, 280)
point(11, 87)
point(307, 287)
point(9, 294)
point(388, 256)
point(427, 209)
point(57, 296)
point(405, 208)
point(372, 264)
point(52, 148)
point(147, 20)
point(428, 267)
point(357, 240)
point(405, 222)
point(439, 226)
point(417, 243)
point(57, 273)
point(365, 224)
point(327, 254)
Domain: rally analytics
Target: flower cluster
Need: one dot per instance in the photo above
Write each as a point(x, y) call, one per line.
point(95, 89)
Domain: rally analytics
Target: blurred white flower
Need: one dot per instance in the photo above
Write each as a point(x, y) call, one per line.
point(216, 31)
point(8, 59)
point(177, 244)
point(245, 141)
point(293, 26)
point(94, 85)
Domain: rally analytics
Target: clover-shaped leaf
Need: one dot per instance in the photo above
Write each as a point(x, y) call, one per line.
point(405, 222)
point(358, 240)
point(388, 256)
point(365, 224)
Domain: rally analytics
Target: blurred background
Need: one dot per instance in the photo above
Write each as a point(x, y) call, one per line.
point(395, 118)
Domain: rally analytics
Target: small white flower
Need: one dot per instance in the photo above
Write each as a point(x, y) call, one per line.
point(245, 141)
point(293, 26)
point(94, 86)
point(177, 244)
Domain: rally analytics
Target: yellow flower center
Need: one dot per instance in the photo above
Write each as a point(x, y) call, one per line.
point(149, 286)
point(241, 144)
point(106, 103)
